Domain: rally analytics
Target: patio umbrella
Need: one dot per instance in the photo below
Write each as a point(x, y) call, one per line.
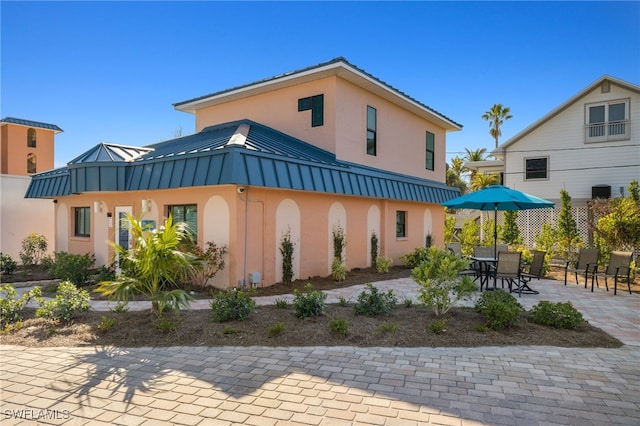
point(497, 197)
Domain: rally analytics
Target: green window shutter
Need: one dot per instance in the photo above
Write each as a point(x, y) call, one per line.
point(317, 110)
point(430, 151)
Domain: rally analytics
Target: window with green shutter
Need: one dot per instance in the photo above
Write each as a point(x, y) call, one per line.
point(316, 105)
point(372, 126)
point(430, 151)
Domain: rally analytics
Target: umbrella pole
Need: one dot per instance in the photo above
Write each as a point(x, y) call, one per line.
point(495, 232)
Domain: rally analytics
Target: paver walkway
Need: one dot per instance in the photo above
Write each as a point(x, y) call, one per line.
point(523, 385)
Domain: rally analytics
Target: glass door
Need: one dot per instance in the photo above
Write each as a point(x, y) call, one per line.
point(122, 231)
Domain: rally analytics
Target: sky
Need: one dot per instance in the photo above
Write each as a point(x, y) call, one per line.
point(111, 71)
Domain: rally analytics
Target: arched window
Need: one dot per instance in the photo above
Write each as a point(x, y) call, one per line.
point(31, 163)
point(31, 138)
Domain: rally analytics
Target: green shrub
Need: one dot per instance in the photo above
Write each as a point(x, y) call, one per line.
point(342, 301)
point(439, 326)
point(371, 302)
point(72, 267)
point(286, 250)
point(166, 325)
point(382, 264)
point(229, 330)
point(232, 304)
point(408, 303)
point(338, 270)
point(339, 327)
point(276, 329)
point(500, 309)
point(415, 258)
point(7, 264)
point(211, 261)
point(281, 304)
point(308, 303)
point(374, 248)
point(106, 324)
point(68, 302)
point(387, 327)
point(556, 315)
point(121, 307)
point(34, 248)
point(10, 307)
point(441, 286)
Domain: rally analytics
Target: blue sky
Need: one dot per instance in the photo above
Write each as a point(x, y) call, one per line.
point(111, 71)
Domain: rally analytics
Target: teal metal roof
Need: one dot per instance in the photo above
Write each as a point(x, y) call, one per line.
point(241, 153)
point(108, 152)
point(30, 123)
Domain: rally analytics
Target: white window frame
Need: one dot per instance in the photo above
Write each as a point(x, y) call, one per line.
point(607, 131)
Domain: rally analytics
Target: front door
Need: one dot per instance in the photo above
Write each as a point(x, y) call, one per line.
point(122, 231)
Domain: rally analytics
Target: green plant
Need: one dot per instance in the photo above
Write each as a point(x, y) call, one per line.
point(281, 303)
point(339, 242)
point(166, 325)
point(10, 306)
point(372, 302)
point(106, 324)
point(121, 307)
point(339, 327)
point(286, 250)
point(428, 240)
point(211, 262)
point(68, 302)
point(374, 248)
point(342, 301)
point(153, 266)
point(501, 309)
point(229, 330)
point(469, 236)
point(569, 238)
point(414, 258)
point(34, 248)
point(276, 329)
point(441, 286)
point(232, 304)
point(72, 267)
point(7, 264)
point(387, 327)
point(408, 303)
point(309, 303)
point(556, 315)
point(105, 273)
point(338, 270)
point(480, 327)
point(439, 326)
point(382, 264)
point(511, 232)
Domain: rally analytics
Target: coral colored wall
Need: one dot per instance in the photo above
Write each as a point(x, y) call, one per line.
point(14, 149)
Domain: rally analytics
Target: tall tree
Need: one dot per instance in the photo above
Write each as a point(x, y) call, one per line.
point(479, 154)
point(455, 174)
point(496, 116)
point(567, 226)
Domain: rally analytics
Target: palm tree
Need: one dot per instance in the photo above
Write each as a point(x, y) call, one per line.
point(455, 174)
point(474, 155)
point(496, 116)
point(480, 181)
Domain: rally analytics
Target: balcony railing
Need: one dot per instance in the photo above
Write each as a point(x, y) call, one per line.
point(611, 131)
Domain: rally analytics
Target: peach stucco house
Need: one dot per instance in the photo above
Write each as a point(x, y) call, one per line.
point(26, 148)
point(301, 153)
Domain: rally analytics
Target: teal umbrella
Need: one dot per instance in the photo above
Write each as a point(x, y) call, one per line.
point(498, 197)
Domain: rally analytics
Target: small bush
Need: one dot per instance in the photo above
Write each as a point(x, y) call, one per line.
point(439, 326)
point(556, 315)
point(387, 327)
point(34, 248)
point(408, 303)
point(338, 270)
point(276, 329)
point(106, 324)
point(72, 267)
point(229, 330)
point(309, 303)
point(232, 304)
point(68, 302)
point(121, 307)
point(281, 304)
point(342, 301)
point(7, 264)
point(105, 274)
point(166, 325)
point(371, 302)
point(415, 258)
point(382, 264)
point(339, 327)
point(500, 309)
point(10, 307)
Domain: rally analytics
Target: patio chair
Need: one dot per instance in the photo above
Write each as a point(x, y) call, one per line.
point(537, 266)
point(619, 267)
point(455, 248)
point(508, 269)
point(587, 263)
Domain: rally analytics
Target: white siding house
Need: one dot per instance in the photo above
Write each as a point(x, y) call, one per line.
point(587, 145)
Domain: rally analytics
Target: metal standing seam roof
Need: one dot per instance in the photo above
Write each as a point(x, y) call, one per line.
point(238, 153)
point(30, 123)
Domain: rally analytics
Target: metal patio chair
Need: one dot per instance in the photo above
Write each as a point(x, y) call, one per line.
point(619, 267)
point(587, 263)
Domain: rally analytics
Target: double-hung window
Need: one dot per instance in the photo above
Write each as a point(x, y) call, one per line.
point(82, 222)
point(372, 125)
point(536, 168)
point(430, 153)
point(606, 121)
point(187, 213)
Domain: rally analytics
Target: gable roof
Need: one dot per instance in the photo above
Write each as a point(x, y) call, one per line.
point(336, 67)
point(237, 153)
point(624, 84)
point(30, 123)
